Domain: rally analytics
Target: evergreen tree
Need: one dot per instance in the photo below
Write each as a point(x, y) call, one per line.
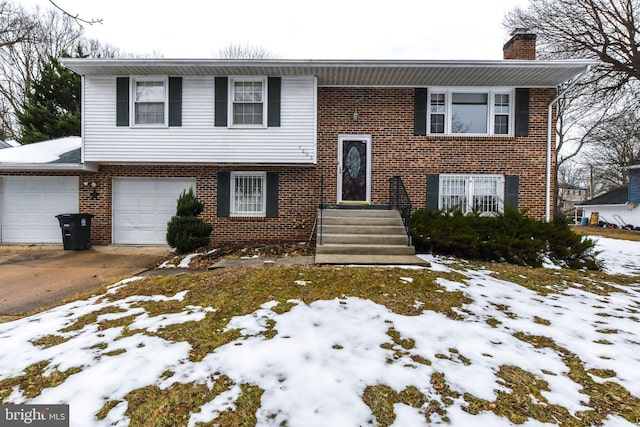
point(185, 231)
point(52, 107)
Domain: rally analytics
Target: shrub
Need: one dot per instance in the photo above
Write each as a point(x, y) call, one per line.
point(511, 236)
point(185, 231)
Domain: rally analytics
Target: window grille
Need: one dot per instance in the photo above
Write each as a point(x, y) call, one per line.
point(481, 193)
point(248, 191)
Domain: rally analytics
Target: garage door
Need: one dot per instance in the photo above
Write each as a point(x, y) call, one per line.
point(29, 205)
point(143, 206)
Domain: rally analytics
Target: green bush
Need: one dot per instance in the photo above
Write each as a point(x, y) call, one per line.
point(185, 231)
point(189, 204)
point(511, 236)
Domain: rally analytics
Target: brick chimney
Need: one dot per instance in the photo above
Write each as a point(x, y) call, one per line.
point(522, 45)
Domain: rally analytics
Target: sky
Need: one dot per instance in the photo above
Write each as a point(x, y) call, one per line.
point(315, 368)
point(327, 29)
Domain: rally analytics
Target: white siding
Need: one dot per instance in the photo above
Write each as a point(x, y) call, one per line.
point(629, 214)
point(198, 140)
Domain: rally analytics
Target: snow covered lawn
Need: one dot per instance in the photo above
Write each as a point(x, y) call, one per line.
point(457, 344)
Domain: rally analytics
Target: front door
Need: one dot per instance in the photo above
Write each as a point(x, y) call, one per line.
point(354, 169)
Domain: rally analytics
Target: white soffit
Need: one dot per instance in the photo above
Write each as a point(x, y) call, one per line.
point(351, 73)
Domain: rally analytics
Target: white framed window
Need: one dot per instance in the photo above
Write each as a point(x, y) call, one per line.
point(150, 102)
point(502, 113)
point(437, 112)
point(248, 101)
point(248, 194)
point(481, 193)
point(468, 111)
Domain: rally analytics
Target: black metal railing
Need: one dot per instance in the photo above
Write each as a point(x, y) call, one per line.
point(320, 211)
point(399, 199)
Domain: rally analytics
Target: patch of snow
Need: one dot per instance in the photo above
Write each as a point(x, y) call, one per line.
point(167, 264)
point(40, 152)
point(619, 256)
point(301, 282)
point(186, 260)
point(407, 279)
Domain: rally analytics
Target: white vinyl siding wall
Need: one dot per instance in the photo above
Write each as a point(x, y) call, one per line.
point(198, 140)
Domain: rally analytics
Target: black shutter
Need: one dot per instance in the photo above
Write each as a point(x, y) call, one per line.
point(221, 88)
point(433, 190)
point(272, 194)
point(224, 194)
point(522, 112)
point(420, 111)
point(122, 101)
point(175, 101)
point(511, 183)
point(273, 103)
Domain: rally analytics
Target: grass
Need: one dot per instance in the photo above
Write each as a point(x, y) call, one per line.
point(240, 291)
point(613, 233)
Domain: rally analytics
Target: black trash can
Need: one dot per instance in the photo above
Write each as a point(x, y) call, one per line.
point(76, 231)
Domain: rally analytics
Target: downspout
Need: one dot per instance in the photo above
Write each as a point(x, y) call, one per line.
point(547, 214)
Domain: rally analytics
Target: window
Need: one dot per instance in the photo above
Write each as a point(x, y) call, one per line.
point(463, 111)
point(482, 193)
point(501, 111)
point(469, 113)
point(247, 99)
point(150, 100)
point(248, 195)
point(437, 112)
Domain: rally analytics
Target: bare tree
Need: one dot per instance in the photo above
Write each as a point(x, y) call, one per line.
point(603, 30)
point(51, 35)
point(16, 26)
point(613, 148)
point(76, 17)
point(606, 30)
point(246, 51)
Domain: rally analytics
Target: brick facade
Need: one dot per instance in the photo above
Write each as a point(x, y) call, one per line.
point(387, 115)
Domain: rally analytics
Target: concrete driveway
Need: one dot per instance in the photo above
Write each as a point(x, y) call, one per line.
point(42, 276)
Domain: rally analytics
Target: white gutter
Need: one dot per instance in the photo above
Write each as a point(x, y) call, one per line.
point(547, 212)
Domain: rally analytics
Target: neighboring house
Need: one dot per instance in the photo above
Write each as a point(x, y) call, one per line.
point(619, 206)
point(261, 140)
point(569, 196)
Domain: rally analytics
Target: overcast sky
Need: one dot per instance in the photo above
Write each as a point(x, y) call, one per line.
point(324, 29)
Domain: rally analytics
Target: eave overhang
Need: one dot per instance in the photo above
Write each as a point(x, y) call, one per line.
point(413, 73)
point(49, 167)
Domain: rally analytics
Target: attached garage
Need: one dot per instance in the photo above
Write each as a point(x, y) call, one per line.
point(29, 204)
point(143, 206)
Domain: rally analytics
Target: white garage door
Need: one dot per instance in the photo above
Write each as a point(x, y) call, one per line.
point(29, 205)
point(143, 206)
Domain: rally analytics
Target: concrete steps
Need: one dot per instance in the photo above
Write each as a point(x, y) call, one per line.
point(363, 236)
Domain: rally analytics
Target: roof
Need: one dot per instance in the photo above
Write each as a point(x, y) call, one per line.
point(619, 196)
point(351, 72)
point(60, 154)
point(4, 144)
